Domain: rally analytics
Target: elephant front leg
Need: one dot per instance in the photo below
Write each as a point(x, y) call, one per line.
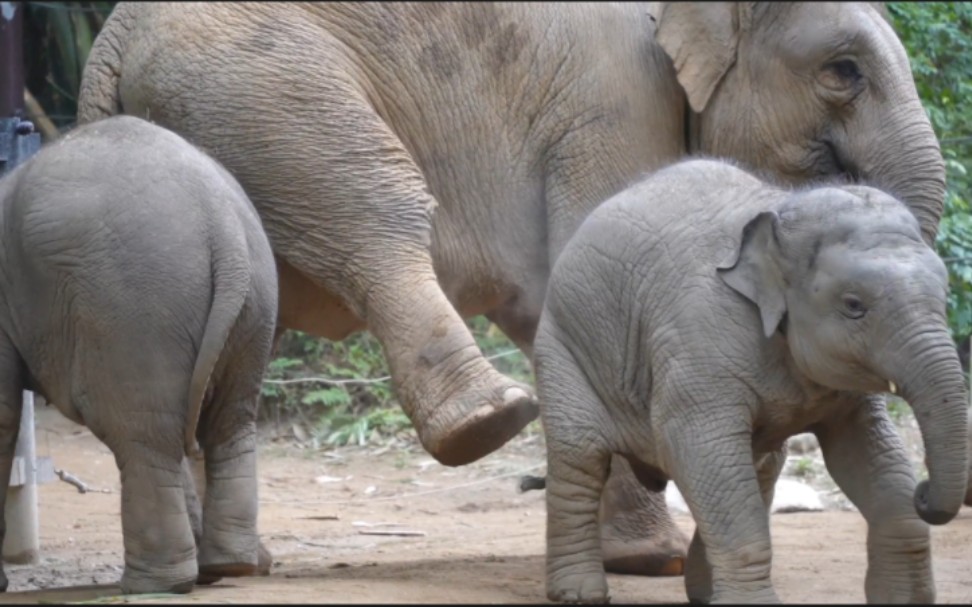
point(11, 391)
point(367, 239)
point(729, 558)
point(577, 467)
point(638, 535)
point(866, 458)
point(462, 408)
point(575, 569)
point(698, 573)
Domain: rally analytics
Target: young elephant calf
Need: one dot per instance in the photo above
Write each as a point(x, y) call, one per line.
point(701, 317)
point(138, 293)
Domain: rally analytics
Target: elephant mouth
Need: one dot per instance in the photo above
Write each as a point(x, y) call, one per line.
point(840, 166)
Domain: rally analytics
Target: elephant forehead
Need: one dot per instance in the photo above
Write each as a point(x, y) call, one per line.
point(882, 270)
point(809, 29)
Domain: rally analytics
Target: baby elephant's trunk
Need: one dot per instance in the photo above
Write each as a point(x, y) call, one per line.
point(934, 387)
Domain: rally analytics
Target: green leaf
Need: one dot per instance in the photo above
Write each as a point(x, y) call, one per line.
point(328, 397)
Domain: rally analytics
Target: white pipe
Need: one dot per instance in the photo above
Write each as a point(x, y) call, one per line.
point(22, 541)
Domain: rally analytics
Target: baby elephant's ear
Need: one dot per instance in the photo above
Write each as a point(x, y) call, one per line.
point(756, 272)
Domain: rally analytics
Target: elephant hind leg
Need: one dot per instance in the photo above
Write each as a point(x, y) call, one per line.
point(366, 237)
point(638, 535)
point(160, 553)
point(230, 545)
point(194, 479)
point(11, 390)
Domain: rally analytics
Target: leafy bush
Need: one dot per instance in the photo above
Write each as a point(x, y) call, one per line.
point(358, 405)
point(937, 36)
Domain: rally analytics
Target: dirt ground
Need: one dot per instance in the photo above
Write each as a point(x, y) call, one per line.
point(475, 539)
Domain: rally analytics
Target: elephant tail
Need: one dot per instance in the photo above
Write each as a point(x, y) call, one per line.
point(99, 96)
point(231, 284)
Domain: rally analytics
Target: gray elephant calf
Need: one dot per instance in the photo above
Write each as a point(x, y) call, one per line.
point(701, 317)
point(138, 293)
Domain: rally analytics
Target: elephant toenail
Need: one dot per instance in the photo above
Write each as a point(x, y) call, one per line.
point(514, 394)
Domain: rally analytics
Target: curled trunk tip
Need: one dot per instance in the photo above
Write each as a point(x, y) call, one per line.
point(929, 514)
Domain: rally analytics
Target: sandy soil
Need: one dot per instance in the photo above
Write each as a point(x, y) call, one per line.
point(478, 540)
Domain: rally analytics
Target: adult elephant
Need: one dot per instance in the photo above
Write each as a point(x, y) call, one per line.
point(415, 164)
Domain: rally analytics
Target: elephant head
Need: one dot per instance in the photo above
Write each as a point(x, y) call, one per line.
point(797, 91)
point(861, 301)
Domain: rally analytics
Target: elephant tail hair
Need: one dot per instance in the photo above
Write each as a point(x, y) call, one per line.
point(231, 284)
point(99, 96)
point(532, 483)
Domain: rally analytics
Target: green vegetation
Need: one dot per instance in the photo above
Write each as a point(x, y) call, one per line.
point(359, 406)
point(803, 467)
point(57, 39)
point(938, 36)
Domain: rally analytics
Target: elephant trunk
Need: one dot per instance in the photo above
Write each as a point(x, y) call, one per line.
point(934, 387)
point(906, 161)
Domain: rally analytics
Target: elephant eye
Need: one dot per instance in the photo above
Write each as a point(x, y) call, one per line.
point(840, 74)
point(845, 68)
point(852, 306)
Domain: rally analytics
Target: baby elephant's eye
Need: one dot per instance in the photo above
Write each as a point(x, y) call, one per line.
point(852, 306)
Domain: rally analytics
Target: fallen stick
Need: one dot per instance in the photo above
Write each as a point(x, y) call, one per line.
point(402, 532)
point(70, 479)
point(82, 486)
point(323, 517)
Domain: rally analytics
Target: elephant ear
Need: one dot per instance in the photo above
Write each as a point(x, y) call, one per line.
point(756, 272)
point(701, 39)
point(882, 10)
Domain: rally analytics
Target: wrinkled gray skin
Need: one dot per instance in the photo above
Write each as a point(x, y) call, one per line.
point(414, 164)
point(138, 294)
point(701, 317)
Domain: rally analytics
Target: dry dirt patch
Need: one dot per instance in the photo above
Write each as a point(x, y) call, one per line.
point(481, 541)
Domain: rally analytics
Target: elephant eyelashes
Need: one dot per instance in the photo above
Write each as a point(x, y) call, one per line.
point(852, 307)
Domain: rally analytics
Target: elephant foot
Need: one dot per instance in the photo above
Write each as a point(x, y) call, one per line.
point(176, 580)
point(765, 594)
point(478, 420)
point(264, 561)
point(648, 557)
point(205, 579)
point(217, 572)
point(578, 588)
point(638, 535)
point(208, 575)
point(217, 562)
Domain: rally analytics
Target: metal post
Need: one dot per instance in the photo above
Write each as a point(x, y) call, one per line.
point(17, 142)
point(11, 59)
point(22, 542)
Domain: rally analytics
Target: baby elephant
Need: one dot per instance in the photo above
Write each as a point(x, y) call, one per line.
point(701, 317)
point(138, 293)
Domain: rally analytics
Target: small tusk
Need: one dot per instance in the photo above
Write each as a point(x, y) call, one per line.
point(892, 388)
